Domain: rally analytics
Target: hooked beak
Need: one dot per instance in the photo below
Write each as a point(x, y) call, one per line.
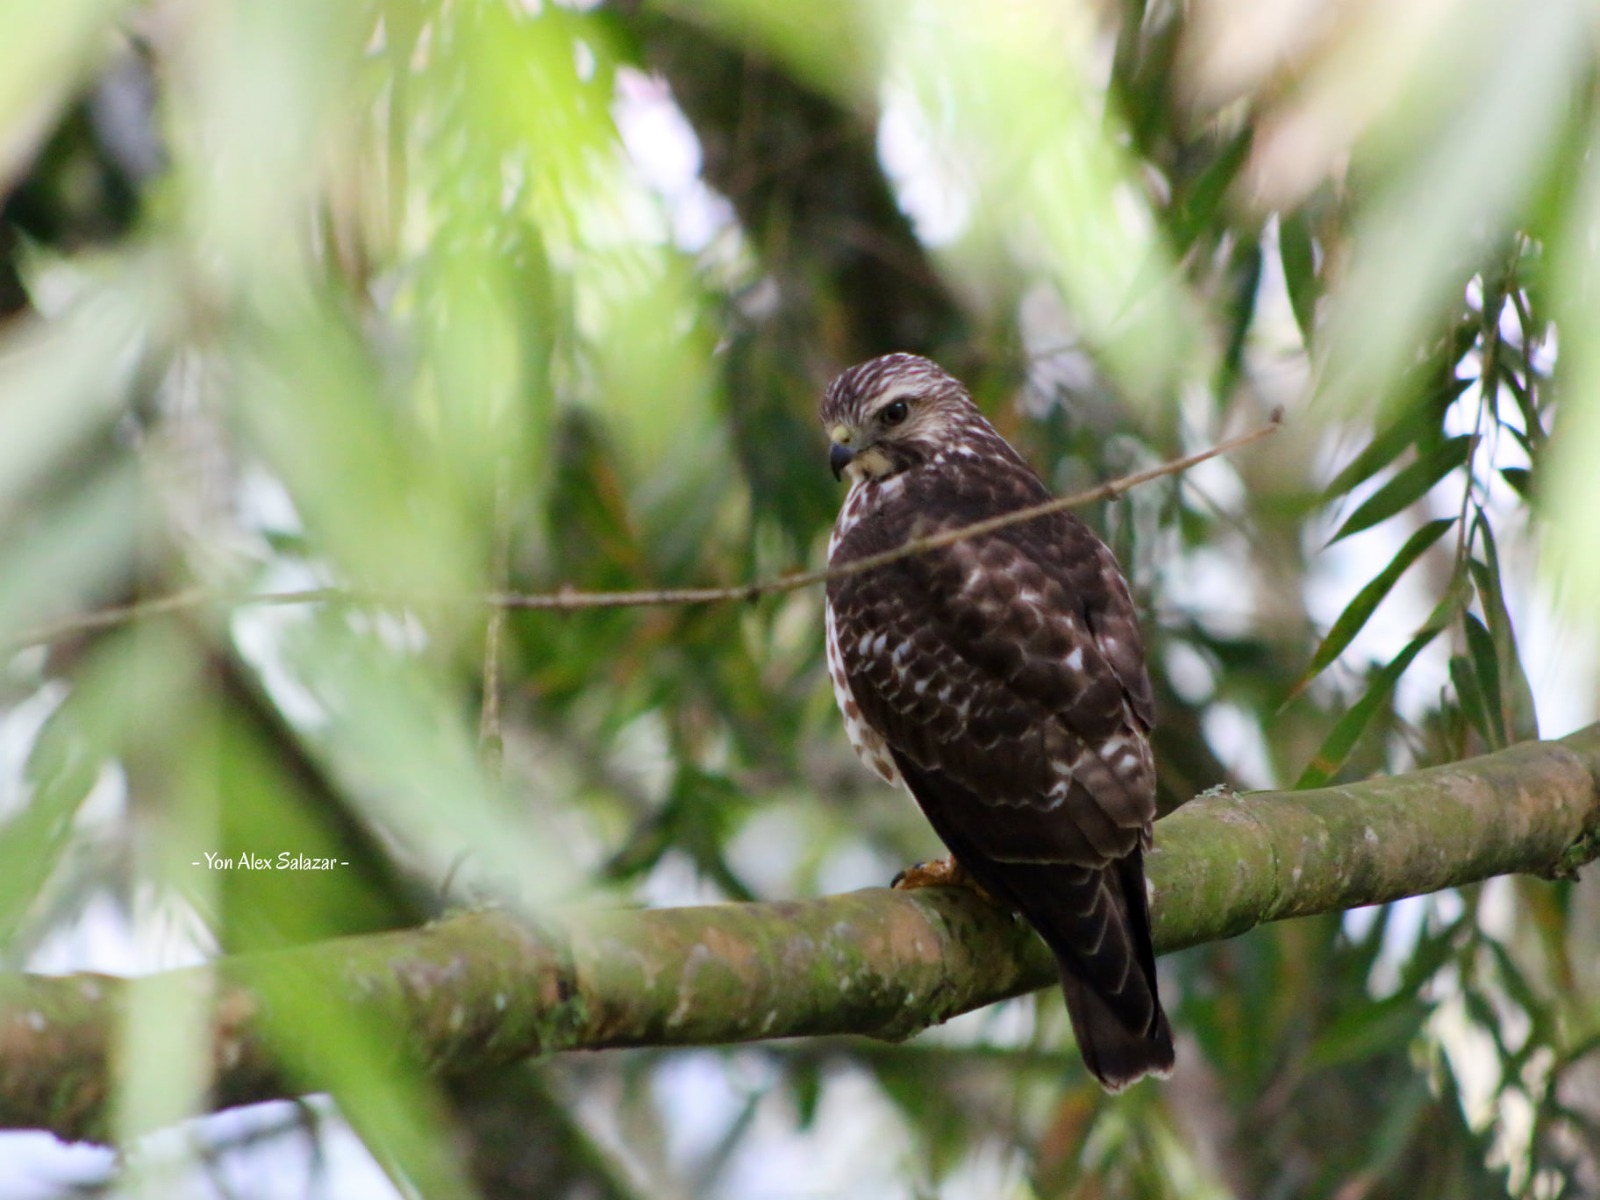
point(839, 458)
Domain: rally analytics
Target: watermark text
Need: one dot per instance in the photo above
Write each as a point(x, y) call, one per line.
point(283, 860)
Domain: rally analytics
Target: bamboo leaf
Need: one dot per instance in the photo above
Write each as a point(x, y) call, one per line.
point(1519, 716)
point(1336, 749)
point(1400, 1124)
point(1533, 435)
point(1521, 479)
point(1364, 950)
point(1362, 1033)
point(1413, 427)
point(1359, 610)
point(61, 770)
point(1486, 667)
point(1470, 696)
point(805, 1090)
point(1244, 284)
point(1198, 206)
point(1409, 486)
point(1521, 992)
point(1299, 271)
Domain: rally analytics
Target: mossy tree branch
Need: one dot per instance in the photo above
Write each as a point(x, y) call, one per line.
point(487, 988)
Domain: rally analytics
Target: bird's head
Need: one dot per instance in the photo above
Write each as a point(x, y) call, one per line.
point(894, 413)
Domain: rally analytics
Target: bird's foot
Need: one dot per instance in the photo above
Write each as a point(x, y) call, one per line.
point(941, 872)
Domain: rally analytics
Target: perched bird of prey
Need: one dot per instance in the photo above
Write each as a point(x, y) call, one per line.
point(1001, 679)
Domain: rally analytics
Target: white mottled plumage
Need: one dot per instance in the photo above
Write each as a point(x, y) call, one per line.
point(867, 741)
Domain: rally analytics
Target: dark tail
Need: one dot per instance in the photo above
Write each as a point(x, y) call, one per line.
point(1094, 919)
point(1098, 924)
point(1109, 980)
point(1115, 1054)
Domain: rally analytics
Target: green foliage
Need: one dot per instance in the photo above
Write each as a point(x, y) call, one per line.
point(376, 298)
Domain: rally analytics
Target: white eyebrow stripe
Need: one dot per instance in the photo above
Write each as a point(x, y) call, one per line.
point(896, 391)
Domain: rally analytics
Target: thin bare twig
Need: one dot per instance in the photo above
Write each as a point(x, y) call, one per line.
point(195, 597)
point(491, 744)
point(567, 599)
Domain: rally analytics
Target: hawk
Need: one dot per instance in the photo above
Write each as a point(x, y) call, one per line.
point(1001, 680)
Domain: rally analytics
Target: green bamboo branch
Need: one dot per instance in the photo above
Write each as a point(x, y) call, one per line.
point(488, 988)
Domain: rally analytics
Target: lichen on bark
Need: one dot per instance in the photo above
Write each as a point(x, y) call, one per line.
point(488, 987)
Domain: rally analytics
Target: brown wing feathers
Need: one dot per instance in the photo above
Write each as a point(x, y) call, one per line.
point(1005, 676)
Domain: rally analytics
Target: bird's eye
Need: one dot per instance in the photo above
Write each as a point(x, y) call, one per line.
point(893, 414)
